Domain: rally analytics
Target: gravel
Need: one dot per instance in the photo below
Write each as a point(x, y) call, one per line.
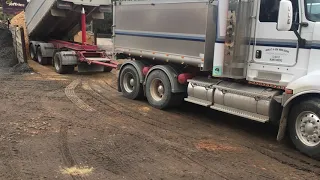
point(21, 68)
point(8, 60)
point(7, 55)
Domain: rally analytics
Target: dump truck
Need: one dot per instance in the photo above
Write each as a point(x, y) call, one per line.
point(256, 59)
point(52, 25)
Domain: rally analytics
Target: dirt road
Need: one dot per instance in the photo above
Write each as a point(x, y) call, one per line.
point(80, 127)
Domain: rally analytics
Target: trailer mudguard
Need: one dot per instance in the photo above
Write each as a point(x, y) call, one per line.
point(47, 49)
point(138, 65)
point(172, 74)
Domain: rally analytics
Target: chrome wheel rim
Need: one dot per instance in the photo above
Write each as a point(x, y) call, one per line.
point(157, 90)
point(129, 82)
point(56, 63)
point(308, 128)
point(32, 54)
point(39, 57)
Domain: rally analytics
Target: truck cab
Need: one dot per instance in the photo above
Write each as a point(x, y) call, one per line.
point(255, 59)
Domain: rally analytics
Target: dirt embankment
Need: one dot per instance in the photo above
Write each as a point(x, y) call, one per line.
point(8, 59)
point(7, 55)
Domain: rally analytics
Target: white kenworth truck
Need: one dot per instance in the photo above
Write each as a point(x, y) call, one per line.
point(257, 59)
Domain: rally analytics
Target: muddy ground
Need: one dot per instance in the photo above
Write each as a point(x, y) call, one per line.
point(50, 122)
point(79, 127)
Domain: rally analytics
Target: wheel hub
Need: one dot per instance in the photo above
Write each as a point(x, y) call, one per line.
point(157, 89)
point(308, 128)
point(39, 58)
point(31, 54)
point(160, 90)
point(132, 82)
point(129, 82)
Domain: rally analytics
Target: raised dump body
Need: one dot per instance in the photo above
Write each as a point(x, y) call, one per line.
point(58, 19)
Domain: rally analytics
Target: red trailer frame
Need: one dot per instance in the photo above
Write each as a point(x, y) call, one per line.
point(85, 52)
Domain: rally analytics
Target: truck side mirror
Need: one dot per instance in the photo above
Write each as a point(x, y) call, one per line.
point(285, 17)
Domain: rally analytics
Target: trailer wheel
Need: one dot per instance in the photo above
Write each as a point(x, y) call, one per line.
point(130, 83)
point(158, 91)
point(304, 127)
point(32, 52)
point(61, 69)
point(41, 60)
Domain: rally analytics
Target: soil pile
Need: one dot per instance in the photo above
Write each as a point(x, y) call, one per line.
point(7, 54)
point(8, 59)
point(90, 38)
point(21, 68)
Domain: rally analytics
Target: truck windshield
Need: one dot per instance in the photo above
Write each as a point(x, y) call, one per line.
point(313, 10)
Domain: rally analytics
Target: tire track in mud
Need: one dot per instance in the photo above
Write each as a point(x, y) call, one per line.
point(126, 110)
point(67, 155)
point(286, 159)
point(112, 107)
point(123, 112)
point(283, 157)
point(105, 86)
point(9, 157)
point(69, 91)
point(121, 109)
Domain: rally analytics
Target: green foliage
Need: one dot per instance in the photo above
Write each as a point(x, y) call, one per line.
point(103, 26)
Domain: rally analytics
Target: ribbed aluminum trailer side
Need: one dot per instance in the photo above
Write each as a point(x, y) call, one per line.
point(177, 32)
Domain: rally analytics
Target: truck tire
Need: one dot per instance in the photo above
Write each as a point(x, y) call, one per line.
point(41, 60)
point(304, 126)
point(32, 52)
point(158, 91)
point(130, 85)
point(57, 63)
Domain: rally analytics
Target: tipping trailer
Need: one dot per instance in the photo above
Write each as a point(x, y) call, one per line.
point(52, 24)
point(257, 59)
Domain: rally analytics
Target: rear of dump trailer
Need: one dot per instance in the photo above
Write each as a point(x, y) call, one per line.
point(52, 24)
point(56, 18)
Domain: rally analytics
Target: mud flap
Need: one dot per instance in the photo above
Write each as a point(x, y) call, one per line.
point(283, 124)
point(85, 68)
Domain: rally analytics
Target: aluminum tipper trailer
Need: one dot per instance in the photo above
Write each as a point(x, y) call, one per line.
point(51, 26)
point(257, 59)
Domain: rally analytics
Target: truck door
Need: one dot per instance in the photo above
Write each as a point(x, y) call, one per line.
point(273, 47)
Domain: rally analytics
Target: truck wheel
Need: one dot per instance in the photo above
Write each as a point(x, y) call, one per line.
point(57, 62)
point(32, 52)
point(304, 127)
point(130, 83)
point(158, 91)
point(41, 60)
